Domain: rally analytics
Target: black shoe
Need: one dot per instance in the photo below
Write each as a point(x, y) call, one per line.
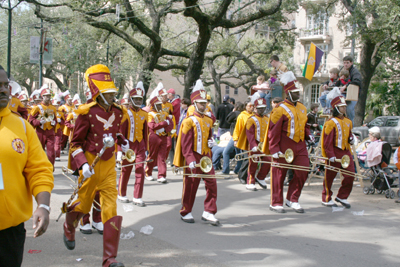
point(344, 202)
point(69, 244)
point(282, 210)
point(117, 264)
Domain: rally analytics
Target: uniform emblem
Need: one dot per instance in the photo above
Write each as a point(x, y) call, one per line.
point(208, 125)
point(342, 100)
point(348, 125)
point(18, 145)
point(302, 110)
point(166, 109)
point(203, 94)
point(141, 118)
point(13, 105)
point(260, 101)
point(107, 123)
point(139, 92)
point(297, 84)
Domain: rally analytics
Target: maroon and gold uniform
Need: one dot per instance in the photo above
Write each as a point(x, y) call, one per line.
point(17, 107)
point(65, 110)
point(335, 144)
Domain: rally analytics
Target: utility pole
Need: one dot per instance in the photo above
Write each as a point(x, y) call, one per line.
point(108, 47)
point(9, 39)
point(41, 53)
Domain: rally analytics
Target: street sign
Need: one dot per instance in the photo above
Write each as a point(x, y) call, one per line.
point(47, 50)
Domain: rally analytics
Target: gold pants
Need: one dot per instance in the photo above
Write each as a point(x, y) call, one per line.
point(104, 181)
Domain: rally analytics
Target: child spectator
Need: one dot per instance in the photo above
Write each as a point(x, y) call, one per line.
point(263, 89)
point(343, 78)
point(327, 86)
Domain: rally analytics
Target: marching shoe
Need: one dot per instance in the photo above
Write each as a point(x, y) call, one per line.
point(209, 217)
point(188, 218)
point(277, 209)
point(162, 180)
point(85, 229)
point(330, 203)
point(149, 178)
point(57, 159)
point(261, 183)
point(98, 226)
point(139, 202)
point(344, 202)
point(251, 187)
point(288, 203)
point(123, 199)
point(296, 206)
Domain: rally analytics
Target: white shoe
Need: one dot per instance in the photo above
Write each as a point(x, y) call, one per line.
point(98, 226)
point(57, 159)
point(123, 199)
point(278, 209)
point(85, 229)
point(139, 202)
point(288, 203)
point(262, 183)
point(251, 187)
point(330, 203)
point(295, 205)
point(344, 202)
point(188, 218)
point(149, 178)
point(162, 180)
point(210, 218)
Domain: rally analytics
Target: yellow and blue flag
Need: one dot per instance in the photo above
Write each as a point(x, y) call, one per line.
point(313, 61)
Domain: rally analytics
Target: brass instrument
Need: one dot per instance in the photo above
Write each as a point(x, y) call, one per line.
point(205, 166)
point(130, 155)
point(344, 161)
point(241, 156)
point(161, 119)
point(48, 115)
point(146, 161)
point(74, 118)
point(289, 157)
point(216, 125)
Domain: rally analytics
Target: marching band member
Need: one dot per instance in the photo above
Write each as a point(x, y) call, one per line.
point(175, 101)
point(72, 115)
point(287, 129)
point(208, 112)
point(336, 140)
point(135, 129)
point(125, 101)
point(160, 124)
point(256, 126)
point(88, 95)
point(95, 120)
point(194, 142)
point(43, 118)
point(37, 98)
point(15, 104)
point(168, 108)
point(58, 130)
point(65, 110)
point(23, 97)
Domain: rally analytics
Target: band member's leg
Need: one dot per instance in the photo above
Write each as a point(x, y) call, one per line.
point(264, 170)
point(189, 190)
point(252, 171)
point(162, 152)
point(64, 140)
point(154, 144)
point(139, 174)
point(96, 211)
point(57, 146)
point(210, 203)
point(50, 147)
point(299, 178)
point(277, 179)
point(169, 146)
point(347, 182)
point(124, 178)
point(327, 184)
point(42, 138)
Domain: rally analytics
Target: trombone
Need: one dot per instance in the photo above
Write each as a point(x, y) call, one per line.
point(205, 165)
point(289, 157)
point(242, 156)
point(344, 161)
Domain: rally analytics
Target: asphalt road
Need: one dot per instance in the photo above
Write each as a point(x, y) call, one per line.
point(250, 234)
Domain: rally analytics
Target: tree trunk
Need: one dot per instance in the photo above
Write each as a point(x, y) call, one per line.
point(217, 82)
point(369, 60)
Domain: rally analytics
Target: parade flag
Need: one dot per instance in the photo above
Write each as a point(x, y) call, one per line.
point(313, 61)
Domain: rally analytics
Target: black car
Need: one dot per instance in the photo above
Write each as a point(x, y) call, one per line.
point(389, 126)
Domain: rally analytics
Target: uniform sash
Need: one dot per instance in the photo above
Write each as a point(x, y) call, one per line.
point(258, 128)
point(131, 126)
point(291, 131)
point(339, 127)
point(199, 134)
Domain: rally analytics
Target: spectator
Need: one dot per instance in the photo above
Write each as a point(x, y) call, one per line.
point(279, 66)
point(210, 104)
point(232, 101)
point(396, 156)
point(24, 171)
point(356, 79)
point(175, 100)
point(218, 150)
point(273, 77)
point(184, 108)
point(222, 112)
point(276, 101)
point(312, 118)
point(327, 86)
point(263, 89)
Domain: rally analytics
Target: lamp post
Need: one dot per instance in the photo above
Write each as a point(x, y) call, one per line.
point(9, 39)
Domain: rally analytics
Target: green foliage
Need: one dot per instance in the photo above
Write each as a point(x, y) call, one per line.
point(384, 96)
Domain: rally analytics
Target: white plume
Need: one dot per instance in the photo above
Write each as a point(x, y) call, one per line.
point(287, 77)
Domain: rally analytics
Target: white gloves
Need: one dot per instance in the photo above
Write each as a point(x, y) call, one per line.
point(254, 149)
point(208, 114)
point(276, 155)
point(353, 139)
point(159, 131)
point(53, 122)
point(126, 146)
point(211, 143)
point(167, 121)
point(42, 121)
point(58, 120)
point(86, 171)
point(312, 139)
point(170, 116)
point(192, 165)
point(332, 159)
point(119, 156)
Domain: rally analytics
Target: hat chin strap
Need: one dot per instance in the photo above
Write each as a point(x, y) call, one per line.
point(338, 111)
point(133, 103)
point(104, 99)
point(291, 99)
point(195, 105)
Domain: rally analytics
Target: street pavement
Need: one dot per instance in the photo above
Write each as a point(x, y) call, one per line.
point(250, 234)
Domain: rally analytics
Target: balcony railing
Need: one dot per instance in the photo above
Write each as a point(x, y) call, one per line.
point(317, 34)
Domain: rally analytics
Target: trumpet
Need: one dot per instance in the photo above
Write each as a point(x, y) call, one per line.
point(344, 161)
point(205, 166)
point(48, 115)
point(241, 156)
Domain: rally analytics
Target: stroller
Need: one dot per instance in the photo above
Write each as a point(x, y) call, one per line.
point(382, 178)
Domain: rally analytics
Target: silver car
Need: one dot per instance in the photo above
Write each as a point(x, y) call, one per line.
point(389, 126)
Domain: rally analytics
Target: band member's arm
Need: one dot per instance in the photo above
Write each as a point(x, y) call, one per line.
point(68, 121)
point(123, 129)
point(23, 111)
point(240, 123)
point(82, 127)
point(307, 132)
point(275, 130)
point(329, 133)
point(155, 126)
point(251, 133)
point(33, 118)
point(187, 141)
point(210, 114)
point(145, 132)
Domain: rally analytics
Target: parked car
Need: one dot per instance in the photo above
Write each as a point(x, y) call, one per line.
point(389, 126)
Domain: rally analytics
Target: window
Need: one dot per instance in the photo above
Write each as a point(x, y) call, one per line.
point(235, 91)
point(324, 48)
point(317, 24)
point(377, 122)
point(227, 89)
point(315, 93)
point(392, 122)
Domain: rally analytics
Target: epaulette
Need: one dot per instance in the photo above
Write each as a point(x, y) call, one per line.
point(119, 107)
point(15, 113)
point(143, 110)
point(84, 109)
